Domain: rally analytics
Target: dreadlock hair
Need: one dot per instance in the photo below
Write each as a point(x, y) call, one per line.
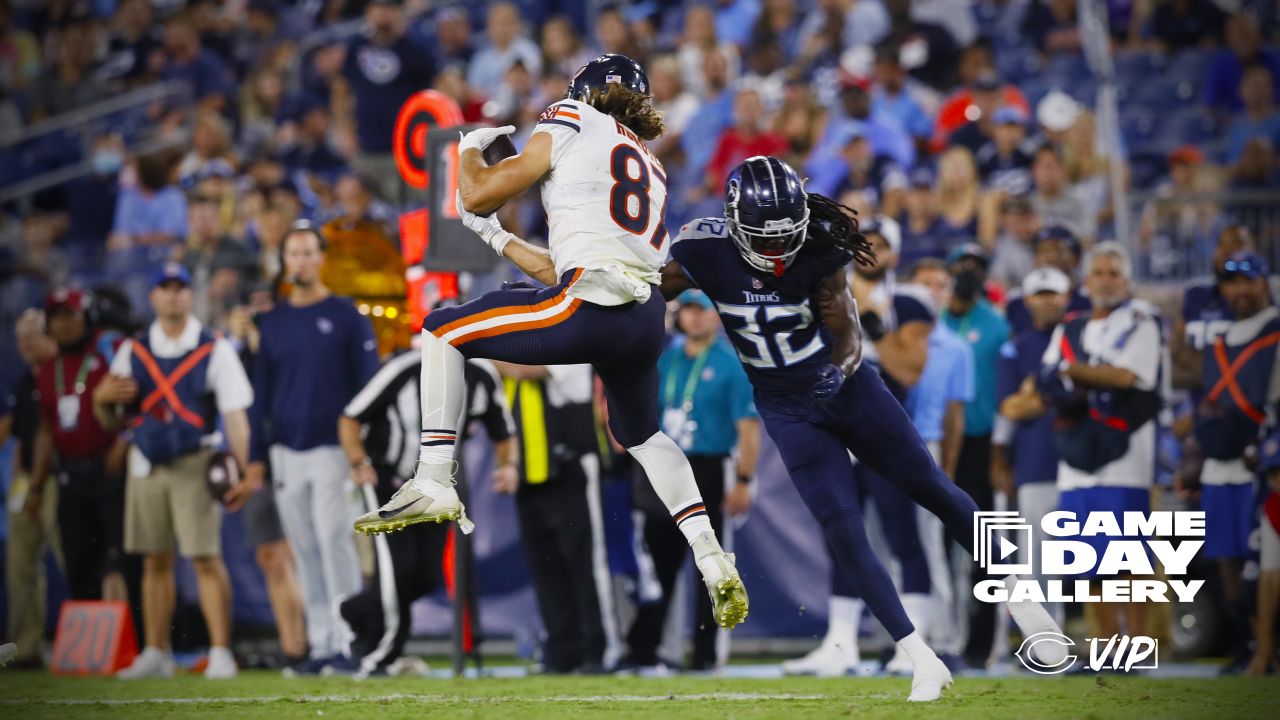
point(633, 109)
point(832, 224)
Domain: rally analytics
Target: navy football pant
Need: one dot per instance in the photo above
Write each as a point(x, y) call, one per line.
point(901, 530)
point(865, 419)
point(544, 326)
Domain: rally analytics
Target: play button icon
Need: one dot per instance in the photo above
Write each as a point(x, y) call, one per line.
point(1007, 548)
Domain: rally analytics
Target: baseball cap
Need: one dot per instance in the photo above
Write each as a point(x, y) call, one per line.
point(1057, 111)
point(1245, 263)
point(695, 297)
point(885, 227)
point(170, 272)
point(1186, 155)
point(1019, 203)
point(1060, 233)
point(66, 299)
point(1009, 115)
point(968, 250)
point(1046, 279)
point(921, 178)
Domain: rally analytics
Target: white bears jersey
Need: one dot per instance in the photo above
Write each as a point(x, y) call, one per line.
point(605, 198)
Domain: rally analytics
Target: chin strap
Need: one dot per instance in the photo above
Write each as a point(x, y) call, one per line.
point(779, 267)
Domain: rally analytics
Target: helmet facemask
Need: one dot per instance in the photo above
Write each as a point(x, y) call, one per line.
point(770, 247)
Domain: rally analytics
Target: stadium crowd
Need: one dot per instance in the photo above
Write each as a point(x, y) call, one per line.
point(961, 130)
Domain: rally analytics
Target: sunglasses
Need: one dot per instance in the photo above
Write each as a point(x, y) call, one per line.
point(1242, 267)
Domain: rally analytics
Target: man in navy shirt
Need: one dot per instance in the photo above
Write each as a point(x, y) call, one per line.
point(383, 67)
point(1024, 462)
point(1056, 247)
point(316, 353)
point(201, 70)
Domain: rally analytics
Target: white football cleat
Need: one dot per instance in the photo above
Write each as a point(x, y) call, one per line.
point(830, 659)
point(928, 680)
point(222, 664)
point(429, 497)
point(150, 663)
point(729, 601)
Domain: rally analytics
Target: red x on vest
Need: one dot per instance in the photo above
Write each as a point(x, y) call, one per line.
point(165, 383)
point(1229, 370)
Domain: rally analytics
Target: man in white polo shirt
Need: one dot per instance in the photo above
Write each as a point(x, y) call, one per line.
point(1107, 375)
point(178, 378)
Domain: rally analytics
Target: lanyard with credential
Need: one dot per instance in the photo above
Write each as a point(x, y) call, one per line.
point(690, 384)
point(81, 375)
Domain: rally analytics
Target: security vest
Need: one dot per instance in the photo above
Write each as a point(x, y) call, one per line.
point(549, 435)
point(1237, 380)
point(176, 409)
point(1093, 426)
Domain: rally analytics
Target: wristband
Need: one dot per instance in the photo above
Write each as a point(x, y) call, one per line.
point(872, 325)
point(499, 241)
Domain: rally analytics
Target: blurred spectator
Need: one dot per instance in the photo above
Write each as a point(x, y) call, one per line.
point(1024, 462)
point(676, 105)
point(1003, 163)
point(614, 37)
point(212, 153)
point(923, 232)
point(697, 44)
point(1053, 26)
point(261, 110)
point(876, 177)
point(273, 225)
point(453, 36)
point(838, 24)
point(1255, 170)
point(357, 203)
point(958, 192)
point(167, 504)
point(1053, 198)
point(1178, 24)
point(35, 531)
point(259, 38)
point(957, 17)
point(767, 75)
point(152, 211)
point(1014, 255)
point(747, 137)
point(68, 83)
point(384, 66)
point(133, 50)
point(1259, 118)
point(779, 24)
point(965, 118)
point(853, 115)
point(1226, 69)
point(92, 199)
point(20, 64)
point(205, 75)
point(893, 95)
point(310, 150)
point(927, 51)
point(89, 459)
point(563, 50)
point(1174, 217)
point(734, 20)
point(506, 44)
point(1055, 247)
point(221, 268)
point(714, 115)
point(1056, 113)
point(978, 323)
point(799, 122)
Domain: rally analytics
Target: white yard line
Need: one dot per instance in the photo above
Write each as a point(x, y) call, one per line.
point(481, 700)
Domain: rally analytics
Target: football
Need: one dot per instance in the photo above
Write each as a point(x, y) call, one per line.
point(221, 474)
point(500, 149)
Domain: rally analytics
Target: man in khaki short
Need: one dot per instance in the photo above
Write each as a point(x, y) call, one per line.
point(178, 378)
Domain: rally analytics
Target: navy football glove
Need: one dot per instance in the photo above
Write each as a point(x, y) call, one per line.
point(829, 381)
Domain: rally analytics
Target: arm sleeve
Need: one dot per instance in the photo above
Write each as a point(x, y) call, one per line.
point(227, 378)
point(1007, 380)
point(261, 380)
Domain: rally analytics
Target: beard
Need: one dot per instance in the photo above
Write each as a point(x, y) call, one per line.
point(875, 274)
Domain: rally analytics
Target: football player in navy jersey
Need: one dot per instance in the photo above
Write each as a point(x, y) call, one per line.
point(775, 267)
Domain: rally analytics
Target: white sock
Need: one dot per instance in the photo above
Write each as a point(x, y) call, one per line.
point(843, 620)
point(671, 476)
point(444, 391)
point(919, 607)
point(916, 649)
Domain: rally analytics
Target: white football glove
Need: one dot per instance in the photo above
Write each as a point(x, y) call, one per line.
point(481, 138)
point(488, 228)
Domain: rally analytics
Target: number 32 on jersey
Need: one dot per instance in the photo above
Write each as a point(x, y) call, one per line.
point(629, 201)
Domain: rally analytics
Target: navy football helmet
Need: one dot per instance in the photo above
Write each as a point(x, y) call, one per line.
point(767, 212)
point(607, 70)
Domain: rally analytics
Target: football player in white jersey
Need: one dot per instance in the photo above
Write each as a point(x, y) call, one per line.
point(604, 194)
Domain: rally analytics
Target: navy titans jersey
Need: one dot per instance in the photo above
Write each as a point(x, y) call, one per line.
point(1205, 313)
point(774, 322)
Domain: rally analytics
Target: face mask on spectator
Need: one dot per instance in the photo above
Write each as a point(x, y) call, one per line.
point(107, 162)
point(968, 285)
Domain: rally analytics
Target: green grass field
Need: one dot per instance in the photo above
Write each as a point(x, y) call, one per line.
point(26, 695)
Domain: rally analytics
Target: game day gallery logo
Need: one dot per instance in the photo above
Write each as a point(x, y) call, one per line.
point(1104, 557)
